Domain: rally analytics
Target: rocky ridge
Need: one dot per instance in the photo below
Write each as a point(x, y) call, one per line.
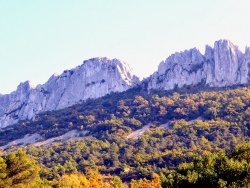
point(222, 65)
point(93, 79)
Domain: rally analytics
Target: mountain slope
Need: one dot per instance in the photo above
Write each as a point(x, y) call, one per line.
point(181, 126)
point(122, 113)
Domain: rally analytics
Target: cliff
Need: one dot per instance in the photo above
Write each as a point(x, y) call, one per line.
point(222, 65)
point(94, 78)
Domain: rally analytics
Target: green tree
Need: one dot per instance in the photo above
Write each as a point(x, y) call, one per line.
point(3, 173)
point(21, 170)
point(117, 182)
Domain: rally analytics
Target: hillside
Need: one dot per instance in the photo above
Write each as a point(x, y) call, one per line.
point(199, 122)
point(133, 109)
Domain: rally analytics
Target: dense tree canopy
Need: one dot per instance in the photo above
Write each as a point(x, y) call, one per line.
point(191, 141)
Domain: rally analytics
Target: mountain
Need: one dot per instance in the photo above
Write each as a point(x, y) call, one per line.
point(223, 65)
point(191, 136)
point(93, 79)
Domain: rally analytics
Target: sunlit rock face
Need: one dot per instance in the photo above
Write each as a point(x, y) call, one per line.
point(222, 65)
point(93, 79)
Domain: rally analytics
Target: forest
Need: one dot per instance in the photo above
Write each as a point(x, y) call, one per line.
point(196, 138)
point(18, 169)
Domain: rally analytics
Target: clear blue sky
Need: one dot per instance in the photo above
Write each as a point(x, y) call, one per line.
point(41, 37)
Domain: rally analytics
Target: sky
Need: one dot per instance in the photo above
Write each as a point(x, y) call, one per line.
point(43, 37)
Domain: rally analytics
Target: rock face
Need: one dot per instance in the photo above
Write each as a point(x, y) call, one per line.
point(94, 78)
point(223, 65)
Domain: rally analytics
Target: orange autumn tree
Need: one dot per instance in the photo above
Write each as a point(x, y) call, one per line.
point(144, 183)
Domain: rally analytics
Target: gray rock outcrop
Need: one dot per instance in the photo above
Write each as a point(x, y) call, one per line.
point(223, 65)
point(93, 79)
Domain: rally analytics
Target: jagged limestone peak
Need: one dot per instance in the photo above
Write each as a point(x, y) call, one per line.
point(222, 65)
point(93, 79)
